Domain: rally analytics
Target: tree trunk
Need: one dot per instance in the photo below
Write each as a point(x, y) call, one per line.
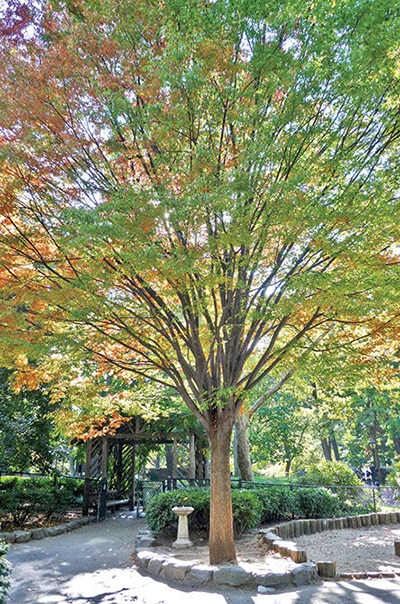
point(288, 465)
point(236, 469)
point(396, 442)
point(335, 448)
point(201, 458)
point(326, 448)
point(243, 446)
point(221, 541)
point(192, 457)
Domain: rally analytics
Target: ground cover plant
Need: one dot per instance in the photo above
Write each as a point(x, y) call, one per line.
point(24, 499)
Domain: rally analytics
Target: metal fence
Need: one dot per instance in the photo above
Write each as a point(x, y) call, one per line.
point(375, 498)
point(358, 497)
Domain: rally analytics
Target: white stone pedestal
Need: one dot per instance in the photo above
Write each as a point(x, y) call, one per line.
point(183, 529)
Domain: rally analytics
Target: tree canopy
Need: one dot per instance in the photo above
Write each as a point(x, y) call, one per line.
point(193, 191)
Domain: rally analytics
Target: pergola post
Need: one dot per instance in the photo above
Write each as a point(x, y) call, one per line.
point(133, 472)
point(102, 508)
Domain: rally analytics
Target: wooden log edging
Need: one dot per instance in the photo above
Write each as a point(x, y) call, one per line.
point(278, 539)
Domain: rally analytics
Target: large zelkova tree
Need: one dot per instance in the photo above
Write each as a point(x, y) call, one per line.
point(192, 190)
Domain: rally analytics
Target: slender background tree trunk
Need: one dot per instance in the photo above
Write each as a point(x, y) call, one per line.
point(242, 444)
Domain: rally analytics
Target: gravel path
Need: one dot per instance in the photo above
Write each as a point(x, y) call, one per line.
point(355, 550)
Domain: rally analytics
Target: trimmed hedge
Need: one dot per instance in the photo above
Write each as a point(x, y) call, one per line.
point(278, 503)
point(250, 507)
point(317, 503)
point(159, 514)
point(246, 509)
point(23, 497)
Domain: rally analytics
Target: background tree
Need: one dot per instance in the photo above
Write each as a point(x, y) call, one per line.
point(28, 435)
point(190, 191)
point(277, 431)
point(372, 430)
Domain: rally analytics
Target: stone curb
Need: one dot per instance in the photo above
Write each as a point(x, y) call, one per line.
point(41, 533)
point(278, 538)
point(196, 574)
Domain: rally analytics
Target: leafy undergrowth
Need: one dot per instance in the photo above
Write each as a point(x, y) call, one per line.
point(7, 524)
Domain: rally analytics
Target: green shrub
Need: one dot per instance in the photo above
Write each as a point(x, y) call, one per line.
point(338, 477)
point(23, 498)
point(278, 503)
point(159, 514)
point(5, 571)
point(246, 509)
point(316, 503)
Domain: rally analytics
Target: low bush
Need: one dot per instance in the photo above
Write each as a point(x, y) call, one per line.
point(159, 514)
point(5, 571)
point(278, 503)
point(23, 497)
point(338, 477)
point(250, 507)
point(316, 503)
point(246, 509)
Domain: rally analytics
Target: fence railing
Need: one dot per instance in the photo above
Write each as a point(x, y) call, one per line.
point(361, 496)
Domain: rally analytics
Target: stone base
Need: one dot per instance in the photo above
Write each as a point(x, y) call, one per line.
point(182, 544)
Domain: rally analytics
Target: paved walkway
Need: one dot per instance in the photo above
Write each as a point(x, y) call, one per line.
point(93, 565)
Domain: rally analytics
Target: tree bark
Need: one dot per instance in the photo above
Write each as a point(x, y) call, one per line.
point(221, 542)
point(236, 469)
point(242, 443)
point(192, 457)
point(335, 448)
point(326, 449)
point(201, 457)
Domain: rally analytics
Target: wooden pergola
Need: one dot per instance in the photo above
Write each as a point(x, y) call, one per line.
point(111, 463)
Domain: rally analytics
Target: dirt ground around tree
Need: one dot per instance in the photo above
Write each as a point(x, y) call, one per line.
point(369, 549)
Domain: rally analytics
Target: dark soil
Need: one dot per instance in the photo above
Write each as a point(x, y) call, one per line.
point(7, 523)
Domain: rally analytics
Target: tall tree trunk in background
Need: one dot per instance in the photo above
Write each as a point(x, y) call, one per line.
point(201, 449)
point(242, 443)
point(335, 448)
point(236, 469)
point(326, 449)
point(373, 434)
point(192, 457)
point(288, 465)
point(396, 442)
